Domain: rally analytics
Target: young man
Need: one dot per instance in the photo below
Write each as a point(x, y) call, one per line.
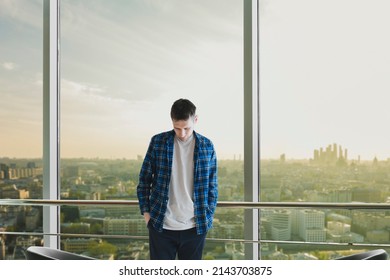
point(178, 188)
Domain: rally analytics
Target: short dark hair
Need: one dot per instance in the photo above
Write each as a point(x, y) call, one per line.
point(182, 110)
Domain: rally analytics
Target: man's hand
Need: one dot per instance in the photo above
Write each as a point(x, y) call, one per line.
point(146, 217)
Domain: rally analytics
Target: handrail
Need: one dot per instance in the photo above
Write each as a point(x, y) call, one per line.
point(231, 240)
point(223, 204)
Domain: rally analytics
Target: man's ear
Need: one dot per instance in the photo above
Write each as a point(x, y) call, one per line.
point(195, 119)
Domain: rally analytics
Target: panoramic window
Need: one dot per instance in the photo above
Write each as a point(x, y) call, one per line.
point(123, 64)
point(21, 111)
point(323, 96)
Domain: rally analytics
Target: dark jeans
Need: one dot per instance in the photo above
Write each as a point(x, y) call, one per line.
point(166, 244)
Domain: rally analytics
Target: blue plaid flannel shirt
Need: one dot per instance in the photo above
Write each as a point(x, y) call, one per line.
point(155, 175)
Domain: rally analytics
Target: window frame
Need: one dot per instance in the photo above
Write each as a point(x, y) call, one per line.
point(51, 123)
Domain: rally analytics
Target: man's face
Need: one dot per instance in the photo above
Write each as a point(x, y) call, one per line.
point(184, 129)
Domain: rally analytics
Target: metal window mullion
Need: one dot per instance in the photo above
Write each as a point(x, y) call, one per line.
point(251, 127)
point(50, 121)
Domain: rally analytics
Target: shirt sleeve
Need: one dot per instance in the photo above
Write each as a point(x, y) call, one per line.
point(213, 183)
point(145, 180)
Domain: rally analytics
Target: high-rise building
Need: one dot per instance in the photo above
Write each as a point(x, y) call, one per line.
point(331, 155)
point(312, 225)
point(116, 226)
point(281, 225)
point(4, 171)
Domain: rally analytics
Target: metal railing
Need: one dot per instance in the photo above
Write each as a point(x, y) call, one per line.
point(221, 204)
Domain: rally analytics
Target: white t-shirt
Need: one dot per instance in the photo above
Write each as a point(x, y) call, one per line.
point(180, 208)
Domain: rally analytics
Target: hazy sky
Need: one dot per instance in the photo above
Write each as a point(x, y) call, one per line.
point(21, 78)
point(324, 75)
point(325, 68)
point(123, 64)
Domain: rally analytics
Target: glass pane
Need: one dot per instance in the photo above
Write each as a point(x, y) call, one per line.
point(323, 97)
point(123, 65)
point(21, 111)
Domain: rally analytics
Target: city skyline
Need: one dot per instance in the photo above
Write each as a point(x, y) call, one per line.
point(280, 182)
point(329, 85)
point(329, 154)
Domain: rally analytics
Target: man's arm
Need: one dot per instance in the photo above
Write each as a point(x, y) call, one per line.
point(213, 183)
point(145, 181)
